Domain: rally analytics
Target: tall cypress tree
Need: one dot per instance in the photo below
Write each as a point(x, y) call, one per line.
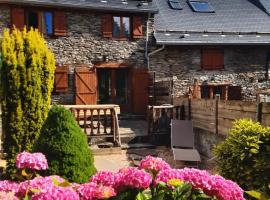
point(27, 76)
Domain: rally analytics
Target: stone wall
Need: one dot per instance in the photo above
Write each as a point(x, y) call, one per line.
point(84, 43)
point(4, 18)
point(244, 66)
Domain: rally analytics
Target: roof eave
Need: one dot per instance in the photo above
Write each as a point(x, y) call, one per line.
point(85, 7)
point(198, 43)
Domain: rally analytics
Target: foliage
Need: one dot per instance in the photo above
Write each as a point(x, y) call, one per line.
point(244, 155)
point(27, 76)
point(129, 183)
point(257, 195)
point(65, 145)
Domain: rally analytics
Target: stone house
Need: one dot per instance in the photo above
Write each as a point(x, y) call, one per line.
point(221, 45)
point(99, 47)
point(104, 49)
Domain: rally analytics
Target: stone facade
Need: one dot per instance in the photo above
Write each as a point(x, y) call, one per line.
point(85, 44)
point(4, 18)
point(244, 65)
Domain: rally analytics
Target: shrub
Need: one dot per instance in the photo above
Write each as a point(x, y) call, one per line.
point(27, 75)
point(244, 156)
point(65, 146)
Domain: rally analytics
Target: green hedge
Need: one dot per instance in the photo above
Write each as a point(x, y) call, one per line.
point(245, 155)
point(65, 146)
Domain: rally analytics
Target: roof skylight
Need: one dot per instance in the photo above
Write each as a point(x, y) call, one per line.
point(175, 4)
point(201, 6)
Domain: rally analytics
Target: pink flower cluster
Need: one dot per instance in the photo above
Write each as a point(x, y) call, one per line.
point(39, 183)
point(154, 164)
point(91, 191)
point(55, 192)
point(133, 178)
point(8, 186)
point(213, 185)
point(35, 161)
point(8, 196)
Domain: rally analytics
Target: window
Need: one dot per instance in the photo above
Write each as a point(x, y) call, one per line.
point(201, 6)
point(121, 27)
point(212, 59)
point(43, 21)
point(175, 4)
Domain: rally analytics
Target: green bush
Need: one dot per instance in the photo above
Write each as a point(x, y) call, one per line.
point(244, 156)
point(27, 76)
point(65, 146)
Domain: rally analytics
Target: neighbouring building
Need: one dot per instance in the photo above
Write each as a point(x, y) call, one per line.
point(222, 46)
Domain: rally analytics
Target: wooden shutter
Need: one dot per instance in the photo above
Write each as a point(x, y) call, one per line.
point(137, 27)
point(106, 24)
point(212, 59)
point(234, 93)
point(85, 86)
point(61, 79)
point(60, 23)
point(17, 18)
point(140, 79)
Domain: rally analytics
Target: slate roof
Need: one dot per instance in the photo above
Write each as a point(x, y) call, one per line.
point(135, 6)
point(231, 18)
point(263, 4)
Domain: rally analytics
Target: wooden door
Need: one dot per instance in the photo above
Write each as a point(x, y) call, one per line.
point(85, 86)
point(140, 95)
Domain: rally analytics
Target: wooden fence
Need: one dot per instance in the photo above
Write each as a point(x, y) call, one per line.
point(217, 116)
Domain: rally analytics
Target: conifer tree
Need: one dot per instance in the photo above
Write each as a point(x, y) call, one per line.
point(27, 76)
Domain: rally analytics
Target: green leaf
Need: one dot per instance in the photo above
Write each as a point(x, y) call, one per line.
point(159, 196)
point(256, 195)
point(254, 151)
point(26, 197)
point(64, 184)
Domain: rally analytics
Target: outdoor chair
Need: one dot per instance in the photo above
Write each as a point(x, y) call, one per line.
point(182, 142)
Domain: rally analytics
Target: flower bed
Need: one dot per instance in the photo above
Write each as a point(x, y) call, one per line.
point(153, 179)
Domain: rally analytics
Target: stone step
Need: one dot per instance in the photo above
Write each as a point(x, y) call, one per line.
point(137, 146)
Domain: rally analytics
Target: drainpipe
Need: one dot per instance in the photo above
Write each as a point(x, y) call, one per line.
point(152, 53)
point(147, 55)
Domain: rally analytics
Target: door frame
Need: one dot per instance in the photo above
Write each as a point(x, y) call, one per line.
point(113, 66)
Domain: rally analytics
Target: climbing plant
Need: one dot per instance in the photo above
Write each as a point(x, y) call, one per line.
point(27, 76)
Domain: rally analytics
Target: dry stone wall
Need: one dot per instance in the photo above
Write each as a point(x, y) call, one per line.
point(244, 66)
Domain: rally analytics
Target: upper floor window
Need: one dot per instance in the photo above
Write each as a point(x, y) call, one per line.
point(43, 21)
point(121, 27)
point(212, 59)
point(47, 22)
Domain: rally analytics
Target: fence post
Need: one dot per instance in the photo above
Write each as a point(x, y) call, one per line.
point(217, 98)
point(259, 109)
point(189, 108)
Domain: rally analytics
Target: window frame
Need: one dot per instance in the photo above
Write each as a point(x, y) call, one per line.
point(215, 50)
point(194, 9)
point(41, 21)
point(122, 28)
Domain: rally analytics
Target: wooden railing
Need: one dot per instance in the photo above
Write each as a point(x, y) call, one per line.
point(159, 117)
point(98, 121)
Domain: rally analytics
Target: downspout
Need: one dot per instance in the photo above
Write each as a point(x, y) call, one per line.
point(147, 55)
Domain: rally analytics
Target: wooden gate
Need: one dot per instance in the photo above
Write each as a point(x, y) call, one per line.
point(85, 86)
point(140, 80)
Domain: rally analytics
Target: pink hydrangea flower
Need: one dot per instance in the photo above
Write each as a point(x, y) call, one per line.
point(35, 161)
point(8, 186)
point(133, 178)
point(38, 183)
point(105, 178)
point(200, 179)
point(154, 164)
point(56, 193)
point(87, 191)
point(8, 196)
point(91, 191)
